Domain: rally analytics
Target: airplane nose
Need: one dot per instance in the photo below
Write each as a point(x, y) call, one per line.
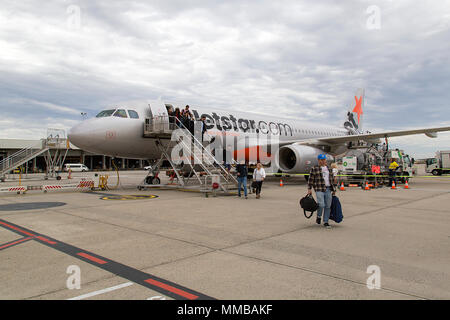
point(74, 135)
point(81, 135)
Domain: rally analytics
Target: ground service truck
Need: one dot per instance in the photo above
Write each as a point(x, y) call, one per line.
point(440, 164)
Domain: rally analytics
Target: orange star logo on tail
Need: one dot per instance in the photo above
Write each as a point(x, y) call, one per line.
point(358, 107)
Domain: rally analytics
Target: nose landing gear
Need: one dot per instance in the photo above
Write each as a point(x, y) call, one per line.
point(152, 180)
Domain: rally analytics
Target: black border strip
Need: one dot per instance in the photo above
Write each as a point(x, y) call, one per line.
point(169, 288)
point(14, 243)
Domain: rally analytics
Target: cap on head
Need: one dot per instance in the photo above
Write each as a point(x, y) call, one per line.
point(322, 157)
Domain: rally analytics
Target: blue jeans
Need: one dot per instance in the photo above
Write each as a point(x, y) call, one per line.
point(324, 202)
point(242, 181)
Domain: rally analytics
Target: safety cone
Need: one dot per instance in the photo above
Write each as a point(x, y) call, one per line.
point(70, 174)
point(406, 185)
point(281, 183)
point(342, 187)
point(393, 185)
point(367, 186)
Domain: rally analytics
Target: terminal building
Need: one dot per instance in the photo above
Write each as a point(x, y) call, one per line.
point(72, 154)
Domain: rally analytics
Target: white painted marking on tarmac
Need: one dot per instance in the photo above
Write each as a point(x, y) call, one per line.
point(157, 298)
point(96, 293)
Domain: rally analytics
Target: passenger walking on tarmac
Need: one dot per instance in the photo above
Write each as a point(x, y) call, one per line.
point(321, 179)
point(242, 172)
point(258, 176)
point(335, 173)
point(392, 168)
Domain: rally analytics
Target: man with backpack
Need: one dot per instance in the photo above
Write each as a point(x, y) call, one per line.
point(321, 179)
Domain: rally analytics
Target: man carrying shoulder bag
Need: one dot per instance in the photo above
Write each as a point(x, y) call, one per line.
point(321, 179)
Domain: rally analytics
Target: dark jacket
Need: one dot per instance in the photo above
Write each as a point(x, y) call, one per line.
point(242, 170)
point(336, 210)
point(203, 126)
point(316, 180)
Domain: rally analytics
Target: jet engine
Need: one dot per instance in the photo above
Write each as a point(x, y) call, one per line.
point(298, 158)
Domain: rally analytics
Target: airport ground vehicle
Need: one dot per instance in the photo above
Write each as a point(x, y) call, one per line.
point(76, 167)
point(371, 164)
point(440, 164)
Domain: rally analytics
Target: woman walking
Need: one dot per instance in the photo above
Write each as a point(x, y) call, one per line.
point(258, 176)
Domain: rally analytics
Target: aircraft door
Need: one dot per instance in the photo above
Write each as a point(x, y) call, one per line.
point(160, 118)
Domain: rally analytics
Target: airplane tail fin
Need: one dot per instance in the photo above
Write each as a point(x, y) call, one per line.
point(354, 118)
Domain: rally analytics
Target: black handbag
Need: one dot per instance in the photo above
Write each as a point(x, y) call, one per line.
point(308, 204)
point(254, 184)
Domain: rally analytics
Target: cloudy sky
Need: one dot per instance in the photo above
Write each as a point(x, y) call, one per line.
point(299, 59)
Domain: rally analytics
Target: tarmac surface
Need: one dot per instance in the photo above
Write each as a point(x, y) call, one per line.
point(181, 245)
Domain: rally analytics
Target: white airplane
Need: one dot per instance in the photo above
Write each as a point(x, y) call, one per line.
point(118, 131)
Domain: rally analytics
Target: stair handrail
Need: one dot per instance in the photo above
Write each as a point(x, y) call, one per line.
point(18, 156)
point(209, 154)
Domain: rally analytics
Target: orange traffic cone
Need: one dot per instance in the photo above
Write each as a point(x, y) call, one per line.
point(393, 185)
point(406, 185)
point(367, 186)
point(281, 183)
point(342, 187)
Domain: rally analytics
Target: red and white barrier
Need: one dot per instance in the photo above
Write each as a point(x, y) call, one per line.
point(47, 188)
point(16, 189)
point(86, 184)
point(78, 186)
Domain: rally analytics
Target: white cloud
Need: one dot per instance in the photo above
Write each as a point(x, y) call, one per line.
point(290, 58)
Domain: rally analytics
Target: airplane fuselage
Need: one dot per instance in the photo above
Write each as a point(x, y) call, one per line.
point(123, 136)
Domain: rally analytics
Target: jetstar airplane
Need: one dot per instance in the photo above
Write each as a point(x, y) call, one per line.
point(118, 131)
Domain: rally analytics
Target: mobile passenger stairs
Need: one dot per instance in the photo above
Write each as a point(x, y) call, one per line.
point(192, 165)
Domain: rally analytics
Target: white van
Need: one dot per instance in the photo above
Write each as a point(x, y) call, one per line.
point(76, 167)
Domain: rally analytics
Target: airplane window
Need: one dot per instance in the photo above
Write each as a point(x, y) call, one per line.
point(105, 113)
point(133, 114)
point(121, 113)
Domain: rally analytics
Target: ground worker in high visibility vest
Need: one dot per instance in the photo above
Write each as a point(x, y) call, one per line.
point(392, 168)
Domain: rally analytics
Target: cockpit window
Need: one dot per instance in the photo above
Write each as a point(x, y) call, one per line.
point(121, 113)
point(105, 113)
point(133, 114)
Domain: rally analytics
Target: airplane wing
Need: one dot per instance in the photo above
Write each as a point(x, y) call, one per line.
point(332, 141)
point(430, 132)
